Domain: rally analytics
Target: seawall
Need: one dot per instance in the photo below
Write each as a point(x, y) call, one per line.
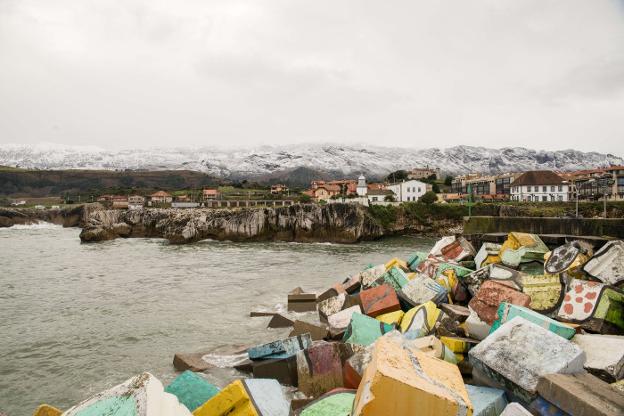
point(609, 227)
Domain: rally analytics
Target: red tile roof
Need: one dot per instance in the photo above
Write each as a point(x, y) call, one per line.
point(538, 177)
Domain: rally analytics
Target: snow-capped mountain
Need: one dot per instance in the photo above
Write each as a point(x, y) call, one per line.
point(266, 160)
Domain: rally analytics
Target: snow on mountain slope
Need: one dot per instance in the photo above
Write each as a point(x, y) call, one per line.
point(348, 159)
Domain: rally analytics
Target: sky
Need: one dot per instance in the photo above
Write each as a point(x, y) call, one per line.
point(543, 74)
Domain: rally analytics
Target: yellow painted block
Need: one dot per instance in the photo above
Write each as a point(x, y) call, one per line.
point(455, 344)
point(391, 317)
point(421, 318)
point(459, 357)
point(233, 400)
point(47, 410)
point(412, 275)
point(544, 290)
point(401, 264)
point(400, 380)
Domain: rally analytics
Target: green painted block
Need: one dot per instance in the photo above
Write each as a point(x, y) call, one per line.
point(364, 330)
point(337, 403)
point(507, 311)
point(459, 270)
point(191, 390)
point(415, 259)
point(394, 277)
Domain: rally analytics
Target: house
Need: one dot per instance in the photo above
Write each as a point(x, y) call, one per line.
point(136, 202)
point(161, 197)
point(450, 197)
point(478, 184)
point(380, 195)
point(210, 194)
point(539, 186)
point(279, 188)
point(423, 173)
point(120, 202)
point(104, 198)
point(183, 198)
point(325, 192)
point(592, 184)
point(346, 186)
point(408, 191)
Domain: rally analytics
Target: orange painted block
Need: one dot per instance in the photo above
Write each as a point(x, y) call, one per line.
point(379, 300)
point(491, 294)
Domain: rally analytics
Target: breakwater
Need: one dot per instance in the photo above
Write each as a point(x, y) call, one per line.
point(609, 227)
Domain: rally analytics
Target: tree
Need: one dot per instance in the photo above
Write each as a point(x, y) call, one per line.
point(448, 181)
point(397, 176)
point(435, 188)
point(389, 198)
point(428, 198)
point(305, 199)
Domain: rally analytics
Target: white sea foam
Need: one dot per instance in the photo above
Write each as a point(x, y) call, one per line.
point(40, 225)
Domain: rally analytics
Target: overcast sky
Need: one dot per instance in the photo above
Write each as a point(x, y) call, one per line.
point(544, 74)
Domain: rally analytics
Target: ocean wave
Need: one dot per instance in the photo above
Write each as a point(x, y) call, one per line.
point(41, 225)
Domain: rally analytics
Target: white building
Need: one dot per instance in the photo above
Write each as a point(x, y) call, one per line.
point(539, 186)
point(362, 188)
point(408, 191)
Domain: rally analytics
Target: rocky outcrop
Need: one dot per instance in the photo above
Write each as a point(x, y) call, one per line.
point(67, 217)
point(340, 223)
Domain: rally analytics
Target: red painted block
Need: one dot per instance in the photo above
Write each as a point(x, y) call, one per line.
point(491, 294)
point(379, 300)
point(319, 368)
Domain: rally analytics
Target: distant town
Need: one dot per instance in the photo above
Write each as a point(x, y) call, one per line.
point(422, 184)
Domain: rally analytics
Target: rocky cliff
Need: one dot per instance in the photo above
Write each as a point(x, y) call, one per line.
point(340, 223)
point(67, 217)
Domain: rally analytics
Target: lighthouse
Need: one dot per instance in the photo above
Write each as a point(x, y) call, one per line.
point(362, 189)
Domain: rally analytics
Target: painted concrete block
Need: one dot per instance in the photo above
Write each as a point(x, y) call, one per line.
point(415, 259)
point(191, 361)
point(541, 407)
point(280, 321)
point(436, 250)
point(339, 322)
point(369, 276)
point(522, 248)
point(422, 289)
point(607, 265)
point(288, 346)
point(397, 262)
point(515, 409)
point(507, 311)
point(496, 272)
point(488, 253)
point(605, 355)
point(401, 380)
point(284, 370)
point(352, 284)
point(364, 330)
point(432, 346)
point(249, 397)
point(568, 258)
point(475, 328)
point(142, 395)
point(191, 390)
point(335, 290)
point(545, 291)
point(354, 367)
point(392, 318)
point(457, 312)
point(459, 345)
point(490, 295)
point(581, 394)
point(420, 321)
point(47, 410)
point(302, 302)
point(335, 403)
point(618, 385)
point(486, 400)
point(515, 355)
point(597, 307)
point(331, 305)
point(379, 300)
point(394, 277)
point(458, 250)
point(319, 368)
point(317, 331)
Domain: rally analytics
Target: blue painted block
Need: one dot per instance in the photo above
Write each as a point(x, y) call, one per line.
point(191, 390)
point(282, 348)
point(543, 407)
point(486, 401)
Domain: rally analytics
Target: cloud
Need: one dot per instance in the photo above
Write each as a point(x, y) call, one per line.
point(123, 73)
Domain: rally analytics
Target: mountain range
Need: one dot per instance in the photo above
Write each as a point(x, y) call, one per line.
point(309, 160)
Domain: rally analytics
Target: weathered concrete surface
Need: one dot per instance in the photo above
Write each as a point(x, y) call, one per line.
point(507, 311)
point(379, 300)
point(334, 403)
point(486, 400)
point(581, 394)
point(319, 369)
point(490, 295)
point(364, 330)
point(256, 396)
point(317, 332)
point(283, 370)
point(515, 409)
point(339, 322)
point(191, 390)
point(612, 227)
point(286, 347)
point(340, 223)
point(515, 355)
point(605, 355)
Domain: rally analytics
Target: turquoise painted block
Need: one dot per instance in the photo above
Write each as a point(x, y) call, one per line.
point(415, 259)
point(394, 277)
point(288, 346)
point(191, 390)
point(507, 311)
point(364, 330)
point(486, 401)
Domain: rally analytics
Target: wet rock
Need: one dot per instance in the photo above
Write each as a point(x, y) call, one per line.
point(247, 397)
point(515, 355)
point(317, 332)
point(191, 390)
point(191, 361)
point(581, 394)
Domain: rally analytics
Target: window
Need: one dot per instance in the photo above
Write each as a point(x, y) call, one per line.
point(530, 198)
point(374, 199)
point(552, 197)
point(560, 188)
point(528, 189)
point(419, 189)
point(544, 188)
point(544, 198)
point(408, 189)
point(560, 198)
point(552, 188)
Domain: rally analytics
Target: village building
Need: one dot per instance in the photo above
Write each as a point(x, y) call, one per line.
point(279, 188)
point(210, 194)
point(120, 202)
point(324, 192)
point(539, 186)
point(380, 195)
point(423, 173)
point(161, 197)
point(450, 197)
point(136, 202)
point(593, 184)
point(105, 198)
point(481, 185)
point(408, 191)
